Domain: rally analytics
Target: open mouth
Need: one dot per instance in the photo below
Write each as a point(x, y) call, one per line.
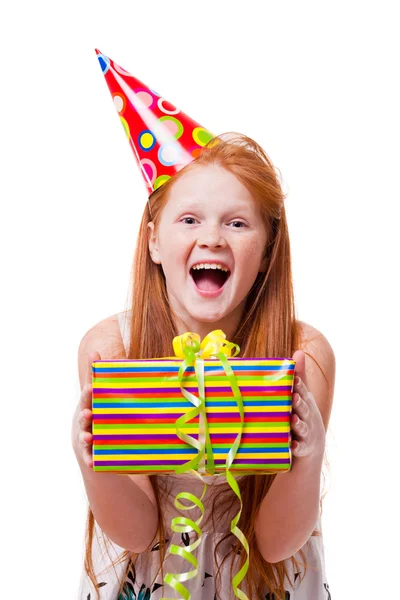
point(209, 279)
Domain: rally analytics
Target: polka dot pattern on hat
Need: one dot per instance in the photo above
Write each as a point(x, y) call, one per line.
point(163, 138)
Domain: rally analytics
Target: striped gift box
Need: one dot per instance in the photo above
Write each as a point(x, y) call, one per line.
point(137, 402)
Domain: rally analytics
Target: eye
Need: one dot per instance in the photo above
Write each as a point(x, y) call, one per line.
point(188, 219)
point(239, 223)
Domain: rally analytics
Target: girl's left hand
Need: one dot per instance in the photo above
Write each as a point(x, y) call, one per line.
point(308, 430)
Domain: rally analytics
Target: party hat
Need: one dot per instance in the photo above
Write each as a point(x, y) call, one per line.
point(163, 138)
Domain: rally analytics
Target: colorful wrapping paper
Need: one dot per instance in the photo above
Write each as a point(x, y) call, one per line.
point(136, 404)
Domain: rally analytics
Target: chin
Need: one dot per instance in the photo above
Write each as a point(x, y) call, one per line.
point(208, 317)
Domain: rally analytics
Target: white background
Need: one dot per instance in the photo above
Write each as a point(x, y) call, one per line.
point(316, 85)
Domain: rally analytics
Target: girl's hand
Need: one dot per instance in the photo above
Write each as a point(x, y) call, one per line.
point(82, 438)
point(306, 422)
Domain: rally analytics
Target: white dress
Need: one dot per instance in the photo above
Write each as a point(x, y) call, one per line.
point(140, 580)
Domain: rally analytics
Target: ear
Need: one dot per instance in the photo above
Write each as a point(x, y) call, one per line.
point(153, 246)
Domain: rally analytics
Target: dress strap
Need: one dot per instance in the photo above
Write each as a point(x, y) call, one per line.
point(124, 325)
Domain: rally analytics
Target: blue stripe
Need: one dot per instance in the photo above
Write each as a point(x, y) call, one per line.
point(162, 404)
point(245, 450)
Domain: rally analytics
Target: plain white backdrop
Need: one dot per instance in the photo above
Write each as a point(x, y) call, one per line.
point(316, 86)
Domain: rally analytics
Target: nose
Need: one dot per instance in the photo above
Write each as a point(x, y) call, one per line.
point(211, 238)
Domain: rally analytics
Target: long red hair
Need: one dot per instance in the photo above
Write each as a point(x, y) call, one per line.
point(269, 328)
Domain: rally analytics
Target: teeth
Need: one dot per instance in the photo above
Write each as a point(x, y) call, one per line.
point(210, 266)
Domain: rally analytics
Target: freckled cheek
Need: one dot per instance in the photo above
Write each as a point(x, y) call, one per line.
point(175, 250)
point(250, 250)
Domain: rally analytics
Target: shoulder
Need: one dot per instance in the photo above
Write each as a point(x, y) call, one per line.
point(105, 338)
point(313, 340)
point(320, 365)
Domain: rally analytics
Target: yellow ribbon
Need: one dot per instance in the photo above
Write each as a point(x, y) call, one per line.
point(193, 352)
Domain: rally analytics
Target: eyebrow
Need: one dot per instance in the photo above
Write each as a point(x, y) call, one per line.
point(193, 205)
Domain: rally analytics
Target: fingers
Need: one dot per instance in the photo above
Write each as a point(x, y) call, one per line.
point(299, 417)
point(85, 416)
point(299, 427)
point(83, 429)
point(85, 420)
point(300, 369)
point(86, 394)
point(85, 441)
point(298, 421)
point(85, 436)
point(85, 401)
point(300, 407)
point(300, 387)
point(297, 448)
point(304, 420)
point(303, 391)
point(82, 438)
point(300, 434)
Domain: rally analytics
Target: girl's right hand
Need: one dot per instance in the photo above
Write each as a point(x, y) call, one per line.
point(82, 438)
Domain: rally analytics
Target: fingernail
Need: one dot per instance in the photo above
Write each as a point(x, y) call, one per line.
point(297, 380)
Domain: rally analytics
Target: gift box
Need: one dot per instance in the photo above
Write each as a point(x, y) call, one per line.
point(136, 404)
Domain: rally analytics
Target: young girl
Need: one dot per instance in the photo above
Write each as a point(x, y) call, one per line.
point(213, 253)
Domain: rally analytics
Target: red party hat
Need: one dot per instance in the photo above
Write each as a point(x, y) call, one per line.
point(162, 137)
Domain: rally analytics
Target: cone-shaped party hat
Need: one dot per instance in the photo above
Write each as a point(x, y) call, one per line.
point(162, 137)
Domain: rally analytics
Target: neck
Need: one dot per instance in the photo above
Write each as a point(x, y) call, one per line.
point(229, 324)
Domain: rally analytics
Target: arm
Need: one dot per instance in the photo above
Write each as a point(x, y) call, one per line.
point(123, 506)
point(290, 510)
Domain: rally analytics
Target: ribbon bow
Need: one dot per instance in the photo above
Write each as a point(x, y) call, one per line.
point(189, 345)
point(193, 352)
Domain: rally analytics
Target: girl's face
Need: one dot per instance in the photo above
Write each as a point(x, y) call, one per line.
point(210, 220)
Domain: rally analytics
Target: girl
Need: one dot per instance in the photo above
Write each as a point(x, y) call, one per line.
point(213, 253)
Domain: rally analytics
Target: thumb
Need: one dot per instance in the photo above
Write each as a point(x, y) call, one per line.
point(300, 368)
point(91, 358)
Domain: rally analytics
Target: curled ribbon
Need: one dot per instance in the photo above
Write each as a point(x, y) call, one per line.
point(193, 352)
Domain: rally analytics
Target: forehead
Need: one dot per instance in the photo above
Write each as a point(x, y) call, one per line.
point(205, 183)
